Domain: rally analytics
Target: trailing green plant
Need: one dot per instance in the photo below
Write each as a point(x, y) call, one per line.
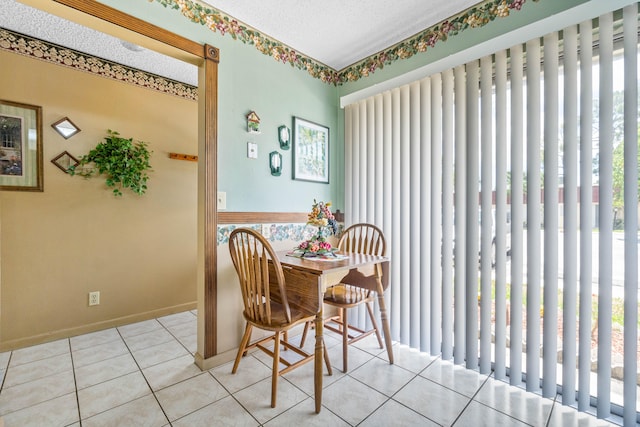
point(124, 162)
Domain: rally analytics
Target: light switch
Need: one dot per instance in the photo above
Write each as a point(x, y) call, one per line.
point(222, 200)
point(252, 150)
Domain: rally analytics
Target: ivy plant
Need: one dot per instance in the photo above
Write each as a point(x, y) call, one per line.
point(123, 161)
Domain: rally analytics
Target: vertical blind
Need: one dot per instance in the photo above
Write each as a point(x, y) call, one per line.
point(494, 182)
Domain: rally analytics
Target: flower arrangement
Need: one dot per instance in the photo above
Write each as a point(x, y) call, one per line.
point(321, 217)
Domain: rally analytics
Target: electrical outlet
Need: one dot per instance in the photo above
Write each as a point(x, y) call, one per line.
point(94, 298)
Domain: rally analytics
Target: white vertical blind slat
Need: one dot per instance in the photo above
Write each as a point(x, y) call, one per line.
point(380, 177)
point(397, 313)
point(630, 28)
point(435, 208)
point(417, 280)
point(424, 213)
point(517, 212)
point(605, 209)
point(550, 290)
point(486, 195)
point(570, 166)
point(447, 214)
point(460, 207)
point(471, 215)
point(406, 332)
point(501, 216)
point(348, 162)
point(533, 215)
point(586, 216)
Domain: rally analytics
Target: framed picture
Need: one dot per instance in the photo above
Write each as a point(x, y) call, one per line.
point(310, 151)
point(20, 147)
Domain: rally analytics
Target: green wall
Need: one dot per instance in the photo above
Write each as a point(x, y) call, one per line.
point(249, 80)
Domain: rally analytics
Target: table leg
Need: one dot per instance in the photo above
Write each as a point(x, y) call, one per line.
point(318, 360)
point(383, 314)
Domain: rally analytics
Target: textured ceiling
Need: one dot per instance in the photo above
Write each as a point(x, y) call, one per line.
point(339, 33)
point(334, 32)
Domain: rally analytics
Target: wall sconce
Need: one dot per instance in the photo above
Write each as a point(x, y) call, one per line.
point(284, 136)
point(275, 163)
point(65, 127)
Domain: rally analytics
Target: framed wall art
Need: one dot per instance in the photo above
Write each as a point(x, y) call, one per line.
point(20, 147)
point(310, 151)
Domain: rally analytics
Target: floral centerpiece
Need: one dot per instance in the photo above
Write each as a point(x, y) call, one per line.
point(321, 217)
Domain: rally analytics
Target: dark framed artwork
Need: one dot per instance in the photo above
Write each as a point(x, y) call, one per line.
point(20, 147)
point(64, 161)
point(310, 151)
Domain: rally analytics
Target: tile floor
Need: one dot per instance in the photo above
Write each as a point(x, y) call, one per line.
point(143, 374)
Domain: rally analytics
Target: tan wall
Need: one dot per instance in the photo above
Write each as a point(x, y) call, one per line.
point(76, 237)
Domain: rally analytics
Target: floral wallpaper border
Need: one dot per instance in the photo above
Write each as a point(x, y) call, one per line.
point(474, 17)
point(52, 53)
point(274, 232)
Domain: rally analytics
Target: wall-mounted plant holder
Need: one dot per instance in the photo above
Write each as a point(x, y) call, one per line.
point(65, 127)
point(284, 136)
point(253, 122)
point(64, 161)
point(275, 163)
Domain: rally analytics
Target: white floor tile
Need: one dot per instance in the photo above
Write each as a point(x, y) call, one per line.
point(432, 400)
point(394, 414)
point(177, 318)
point(225, 412)
point(190, 395)
point(40, 368)
point(479, 415)
point(156, 354)
point(304, 414)
point(382, 376)
point(34, 392)
point(61, 411)
point(39, 352)
point(100, 352)
point(562, 416)
point(110, 394)
point(455, 377)
point(515, 402)
point(104, 370)
point(148, 339)
point(142, 411)
point(351, 400)
point(94, 339)
point(250, 371)
point(171, 372)
point(256, 399)
point(409, 359)
point(139, 328)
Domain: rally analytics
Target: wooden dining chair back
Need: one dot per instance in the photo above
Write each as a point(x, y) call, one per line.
point(364, 239)
point(266, 306)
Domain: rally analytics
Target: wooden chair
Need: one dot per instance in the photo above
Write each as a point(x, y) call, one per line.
point(264, 294)
point(358, 238)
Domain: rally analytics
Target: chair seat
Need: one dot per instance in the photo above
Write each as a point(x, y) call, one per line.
point(344, 295)
point(278, 319)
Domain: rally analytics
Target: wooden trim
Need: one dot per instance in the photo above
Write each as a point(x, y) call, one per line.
point(267, 217)
point(132, 23)
point(211, 56)
point(260, 217)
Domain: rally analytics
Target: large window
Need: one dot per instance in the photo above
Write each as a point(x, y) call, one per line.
point(508, 187)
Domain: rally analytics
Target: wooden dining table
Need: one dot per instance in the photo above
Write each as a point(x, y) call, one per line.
point(308, 278)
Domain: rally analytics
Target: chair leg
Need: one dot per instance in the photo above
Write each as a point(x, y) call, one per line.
point(286, 339)
point(243, 345)
point(327, 361)
point(304, 334)
point(345, 339)
point(276, 367)
point(374, 323)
